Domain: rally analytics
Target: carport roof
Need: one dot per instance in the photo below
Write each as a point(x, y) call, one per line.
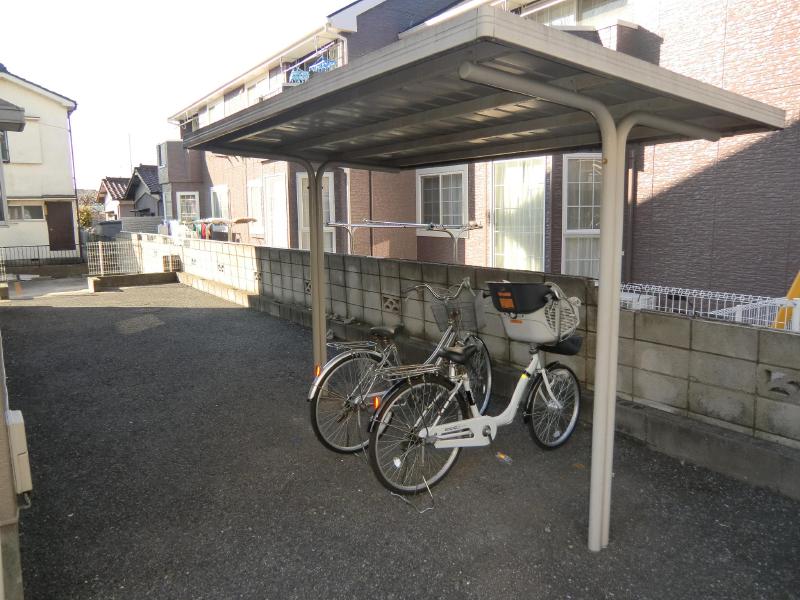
point(405, 106)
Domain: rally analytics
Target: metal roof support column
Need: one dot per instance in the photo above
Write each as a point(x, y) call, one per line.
point(610, 266)
point(624, 128)
point(320, 285)
point(316, 262)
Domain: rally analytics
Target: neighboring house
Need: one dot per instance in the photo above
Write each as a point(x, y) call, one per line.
point(691, 219)
point(39, 212)
point(180, 174)
point(111, 194)
point(144, 193)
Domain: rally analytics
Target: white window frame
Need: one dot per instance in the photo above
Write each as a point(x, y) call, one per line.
point(21, 206)
point(299, 176)
point(178, 202)
point(256, 227)
point(492, 221)
point(573, 233)
point(220, 190)
point(463, 170)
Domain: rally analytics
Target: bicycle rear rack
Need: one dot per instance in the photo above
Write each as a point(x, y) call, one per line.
point(408, 371)
point(360, 345)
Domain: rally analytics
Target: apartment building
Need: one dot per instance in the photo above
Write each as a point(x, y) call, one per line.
point(38, 211)
point(691, 216)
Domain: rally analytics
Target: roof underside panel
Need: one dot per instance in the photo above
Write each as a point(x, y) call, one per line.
point(403, 107)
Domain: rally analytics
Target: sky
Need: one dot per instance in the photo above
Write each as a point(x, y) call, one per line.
point(130, 65)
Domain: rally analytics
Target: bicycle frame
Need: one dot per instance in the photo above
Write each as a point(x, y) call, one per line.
point(481, 430)
point(384, 356)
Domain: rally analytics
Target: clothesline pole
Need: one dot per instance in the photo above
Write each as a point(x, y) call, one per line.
point(460, 230)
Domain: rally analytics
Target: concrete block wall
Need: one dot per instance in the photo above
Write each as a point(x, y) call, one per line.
point(733, 376)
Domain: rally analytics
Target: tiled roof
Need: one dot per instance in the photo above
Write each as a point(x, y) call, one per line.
point(116, 186)
point(149, 175)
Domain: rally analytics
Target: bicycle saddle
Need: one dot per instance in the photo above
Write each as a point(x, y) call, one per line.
point(457, 354)
point(384, 332)
point(567, 347)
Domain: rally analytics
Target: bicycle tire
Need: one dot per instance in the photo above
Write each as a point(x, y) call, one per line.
point(392, 447)
point(551, 424)
point(480, 373)
point(339, 425)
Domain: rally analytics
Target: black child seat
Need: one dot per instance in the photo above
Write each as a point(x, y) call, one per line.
point(387, 333)
point(457, 354)
point(567, 347)
point(519, 298)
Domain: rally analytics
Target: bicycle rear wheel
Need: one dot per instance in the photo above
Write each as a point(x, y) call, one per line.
point(341, 408)
point(479, 369)
point(552, 418)
point(402, 461)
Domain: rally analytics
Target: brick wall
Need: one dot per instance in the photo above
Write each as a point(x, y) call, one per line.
point(394, 199)
point(379, 26)
point(722, 215)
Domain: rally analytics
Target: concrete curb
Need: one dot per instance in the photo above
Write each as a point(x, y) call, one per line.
point(107, 282)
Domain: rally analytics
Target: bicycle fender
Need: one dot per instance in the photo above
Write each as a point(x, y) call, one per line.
point(335, 362)
point(387, 394)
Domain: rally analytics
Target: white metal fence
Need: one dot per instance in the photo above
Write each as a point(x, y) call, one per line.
point(761, 311)
point(112, 258)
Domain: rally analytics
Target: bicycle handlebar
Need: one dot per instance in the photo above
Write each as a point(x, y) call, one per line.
point(436, 294)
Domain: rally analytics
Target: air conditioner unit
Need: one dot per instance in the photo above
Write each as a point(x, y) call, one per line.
point(19, 451)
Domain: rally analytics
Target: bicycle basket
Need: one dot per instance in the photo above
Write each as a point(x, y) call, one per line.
point(556, 320)
point(466, 309)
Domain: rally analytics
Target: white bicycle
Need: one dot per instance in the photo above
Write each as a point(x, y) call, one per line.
point(427, 417)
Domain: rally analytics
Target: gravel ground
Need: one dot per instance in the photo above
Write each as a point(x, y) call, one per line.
point(172, 457)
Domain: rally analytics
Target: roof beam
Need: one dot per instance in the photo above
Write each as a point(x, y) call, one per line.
point(514, 126)
point(251, 152)
point(537, 145)
point(489, 151)
point(418, 118)
point(498, 100)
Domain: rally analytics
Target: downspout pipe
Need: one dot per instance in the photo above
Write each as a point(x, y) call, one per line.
point(610, 271)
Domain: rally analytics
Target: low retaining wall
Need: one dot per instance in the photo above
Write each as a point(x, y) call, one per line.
point(737, 377)
point(108, 282)
point(54, 271)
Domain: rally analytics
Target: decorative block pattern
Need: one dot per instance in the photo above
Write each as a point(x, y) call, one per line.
point(729, 375)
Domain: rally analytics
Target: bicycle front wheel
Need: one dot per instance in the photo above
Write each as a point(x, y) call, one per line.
point(479, 369)
point(402, 461)
point(341, 408)
point(552, 416)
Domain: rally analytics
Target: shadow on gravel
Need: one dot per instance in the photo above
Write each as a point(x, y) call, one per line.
point(172, 457)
